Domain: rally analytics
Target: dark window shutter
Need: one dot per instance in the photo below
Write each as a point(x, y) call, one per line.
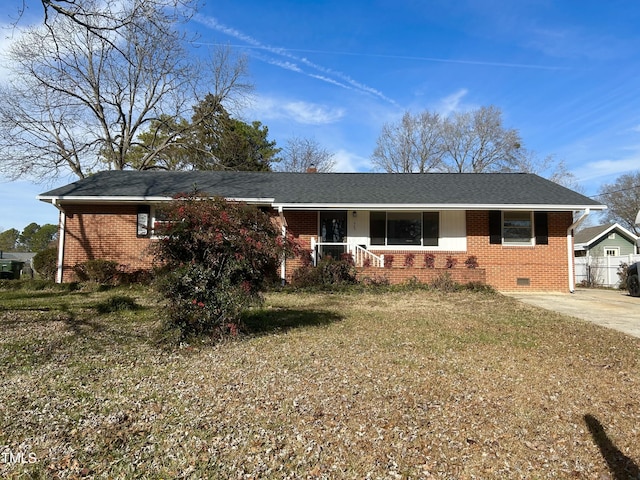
point(495, 227)
point(541, 226)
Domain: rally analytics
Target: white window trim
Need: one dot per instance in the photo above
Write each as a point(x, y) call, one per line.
point(154, 220)
point(532, 239)
point(420, 247)
point(452, 235)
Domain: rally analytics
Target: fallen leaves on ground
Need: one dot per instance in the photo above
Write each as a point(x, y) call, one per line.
point(394, 385)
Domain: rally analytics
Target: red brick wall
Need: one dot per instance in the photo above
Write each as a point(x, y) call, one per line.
point(109, 232)
point(105, 232)
point(506, 268)
point(545, 266)
point(303, 225)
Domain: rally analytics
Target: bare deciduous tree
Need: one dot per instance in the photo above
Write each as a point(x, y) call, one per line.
point(82, 91)
point(548, 167)
point(301, 154)
point(474, 141)
point(228, 79)
point(414, 145)
point(623, 199)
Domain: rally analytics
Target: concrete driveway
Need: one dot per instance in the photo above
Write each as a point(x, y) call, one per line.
point(610, 308)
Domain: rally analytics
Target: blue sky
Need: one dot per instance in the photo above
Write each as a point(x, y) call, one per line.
point(566, 75)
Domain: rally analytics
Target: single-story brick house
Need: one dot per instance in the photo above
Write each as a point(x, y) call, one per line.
point(513, 231)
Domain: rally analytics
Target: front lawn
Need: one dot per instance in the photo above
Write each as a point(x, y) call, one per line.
point(355, 385)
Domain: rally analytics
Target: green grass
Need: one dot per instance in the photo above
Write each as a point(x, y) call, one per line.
point(392, 384)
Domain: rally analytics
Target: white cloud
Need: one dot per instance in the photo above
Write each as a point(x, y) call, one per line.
point(305, 113)
point(291, 62)
point(605, 169)
point(312, 113)
point(349, 162)
point(451, 103)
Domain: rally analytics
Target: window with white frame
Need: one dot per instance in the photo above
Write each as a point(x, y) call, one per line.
point(517, 228)
point(404, 228)
point(611, 251)
point(160, 220)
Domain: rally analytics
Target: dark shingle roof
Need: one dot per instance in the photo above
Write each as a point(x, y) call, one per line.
point(329, 188)
point(591, 234)
point(587, 234)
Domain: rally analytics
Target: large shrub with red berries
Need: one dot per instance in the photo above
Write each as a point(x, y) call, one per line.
point(217, 256)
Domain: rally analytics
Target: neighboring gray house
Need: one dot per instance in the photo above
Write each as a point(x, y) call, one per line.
point(611, 240)
point(18, 262)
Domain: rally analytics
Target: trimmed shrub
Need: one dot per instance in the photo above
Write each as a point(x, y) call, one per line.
point(471, 261)
point(141, 276)
point(328, 272)
point(429, 260)
point(45, 263)
point(388, 261)
point(409, 260)
point(450, 262)
point(98, 271)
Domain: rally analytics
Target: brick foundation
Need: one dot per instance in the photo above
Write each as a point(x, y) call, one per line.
point(423, 275)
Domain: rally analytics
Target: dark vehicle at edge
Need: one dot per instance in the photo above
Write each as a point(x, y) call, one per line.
point(633, 283)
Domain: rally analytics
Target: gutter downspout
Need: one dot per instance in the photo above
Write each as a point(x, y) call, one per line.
point(570, 253)
point(283, 264)
point(61, 236)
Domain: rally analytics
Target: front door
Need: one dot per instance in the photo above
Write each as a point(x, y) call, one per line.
point(333, 230)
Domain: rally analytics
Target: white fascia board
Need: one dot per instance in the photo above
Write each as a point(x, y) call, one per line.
point(142, 199)
point(615, 226)
point(261, 201)
point(630, 234)
point(100, 199)
point(445, 206)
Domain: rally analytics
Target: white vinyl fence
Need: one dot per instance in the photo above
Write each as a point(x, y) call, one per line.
point(602, 271)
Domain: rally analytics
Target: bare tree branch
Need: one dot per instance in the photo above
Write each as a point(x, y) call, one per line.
point(548, 167)
point(302, 154)
point(623, 199)
point(414, 145)
point(86, 85)
point(476, 141)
